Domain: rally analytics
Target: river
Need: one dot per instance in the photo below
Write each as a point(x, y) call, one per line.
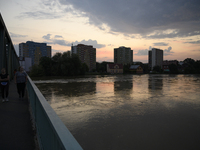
point(128, 112)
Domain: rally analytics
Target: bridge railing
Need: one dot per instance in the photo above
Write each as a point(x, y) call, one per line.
point(8, 57)
point(52, 134)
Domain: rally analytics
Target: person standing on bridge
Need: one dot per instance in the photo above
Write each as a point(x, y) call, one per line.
point(20, 80)
point(4, 83)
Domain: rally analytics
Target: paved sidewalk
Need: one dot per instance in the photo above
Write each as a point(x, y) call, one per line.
point(15, 124)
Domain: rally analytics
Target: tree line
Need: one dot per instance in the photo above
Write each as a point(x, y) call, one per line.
point(190, 66)
point(61, 64)
point(65, 64)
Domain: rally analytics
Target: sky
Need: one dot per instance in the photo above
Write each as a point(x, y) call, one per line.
point(170, 25)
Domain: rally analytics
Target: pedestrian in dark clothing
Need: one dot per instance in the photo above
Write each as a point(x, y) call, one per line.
point(15, 71)
point(4, 83)
point(20, 80)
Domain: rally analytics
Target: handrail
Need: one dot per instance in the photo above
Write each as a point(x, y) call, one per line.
point(51, 132)
point(8, 56)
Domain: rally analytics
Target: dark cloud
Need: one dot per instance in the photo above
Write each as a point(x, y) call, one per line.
point(150, 19)
point(160, 44)
point(155, 19)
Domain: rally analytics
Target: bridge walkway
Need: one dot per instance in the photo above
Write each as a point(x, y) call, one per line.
point(16, 130)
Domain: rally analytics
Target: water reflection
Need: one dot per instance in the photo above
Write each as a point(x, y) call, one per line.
point(129, 112)
point(123, 85)
point(155, 82)
point(72, 89)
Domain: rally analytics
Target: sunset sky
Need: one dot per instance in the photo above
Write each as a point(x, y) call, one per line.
point(171, 25)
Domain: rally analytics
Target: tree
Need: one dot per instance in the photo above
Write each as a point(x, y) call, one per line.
point(56, 64)
point(145, 68)
point(84, 68)
point(189, 65)
point(75, 65)
point(36, 71)
point(65, 63)
point(173, 68)
point(157, 69)
point(46, 64)
point(189, 61)
point(126, 68)
point(197, 66)
point(97, 66)
point(60, 65)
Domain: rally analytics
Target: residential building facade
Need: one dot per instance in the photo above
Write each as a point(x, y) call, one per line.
point(155, 58)
point(123, 55)
point(25, 62)
point(34, 51)
point(86, 53)
point(136, 69)
point(115, 68)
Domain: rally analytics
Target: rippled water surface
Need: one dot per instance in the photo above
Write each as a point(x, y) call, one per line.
point(126, 112)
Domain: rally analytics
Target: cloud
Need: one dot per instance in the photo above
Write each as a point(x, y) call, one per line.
point(17, 35)
point(47, 37)
point(44, 9)
point(153, 19)
point(105, 59)
point(40, 15)
point(142, 52)
point(89, 42)
point(160, 44)
point(56, 51)
point(195, 50)
point(62, 42)
point(50, 9)
point(194, 42)
point(55, 40)
point(145, 52)
point(168, 51)
point(58, 36)
point(111, 45)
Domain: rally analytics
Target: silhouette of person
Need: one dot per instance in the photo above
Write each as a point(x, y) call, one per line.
point(20, 80)
point(4, 83)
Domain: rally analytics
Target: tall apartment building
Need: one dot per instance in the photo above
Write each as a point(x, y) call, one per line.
point(86, 53)
point(155, 58)
point(34, 51)
point(123, 55)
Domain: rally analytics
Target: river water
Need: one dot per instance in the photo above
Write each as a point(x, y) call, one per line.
point(128, 112)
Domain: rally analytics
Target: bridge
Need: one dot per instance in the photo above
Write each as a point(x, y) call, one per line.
point(31, 123)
